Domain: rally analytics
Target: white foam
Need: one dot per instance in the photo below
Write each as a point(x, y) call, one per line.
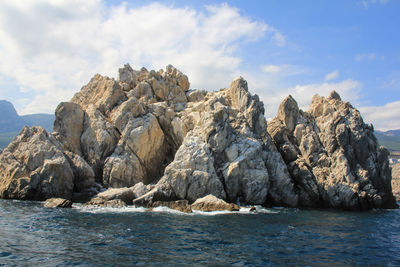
point(261, 209)
point(162, 209)
point(213, 213)
point(167, 210)
point(95, 209)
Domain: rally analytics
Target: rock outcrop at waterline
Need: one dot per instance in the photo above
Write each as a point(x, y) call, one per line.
point(158, 141)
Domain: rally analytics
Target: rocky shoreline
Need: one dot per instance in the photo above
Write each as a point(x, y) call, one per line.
point(151, 141)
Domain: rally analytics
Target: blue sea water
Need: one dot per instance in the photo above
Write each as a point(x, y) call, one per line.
point(31, 235)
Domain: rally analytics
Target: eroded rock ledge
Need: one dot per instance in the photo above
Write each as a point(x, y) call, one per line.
point(158, 141)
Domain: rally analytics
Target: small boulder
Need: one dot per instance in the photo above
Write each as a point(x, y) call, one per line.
point(57, 203)
point(101, 202)
point(125, 194)
point(179, 205)
point(140, 189)
point(154, 195)
point(212, 203)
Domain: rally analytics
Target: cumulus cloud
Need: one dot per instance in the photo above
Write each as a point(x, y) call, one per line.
point(383, 117)
point(51, 48)
point(332, 75)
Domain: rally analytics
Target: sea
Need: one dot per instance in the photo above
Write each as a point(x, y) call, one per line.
point(31, 235)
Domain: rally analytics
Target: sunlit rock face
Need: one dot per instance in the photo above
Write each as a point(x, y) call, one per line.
point(151, 136)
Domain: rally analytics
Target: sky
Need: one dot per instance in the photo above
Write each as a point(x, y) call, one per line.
point(49, 49)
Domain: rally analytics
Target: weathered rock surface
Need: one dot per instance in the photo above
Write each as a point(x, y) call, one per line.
point(227, 152)
point(125, 194)
point(34, 167)
point(332, 155)
point(396, 180)
point(101, 202)
point(57, 203)
point(212, 203)
point(157, 141)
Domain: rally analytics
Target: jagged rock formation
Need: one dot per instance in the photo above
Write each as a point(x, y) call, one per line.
point(159, 142)
point(332, 156)
point(228, 153)
point(34, 167)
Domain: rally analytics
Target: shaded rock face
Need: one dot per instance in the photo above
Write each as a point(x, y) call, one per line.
point(115, 124)
point(149, 135)
point(332, 155)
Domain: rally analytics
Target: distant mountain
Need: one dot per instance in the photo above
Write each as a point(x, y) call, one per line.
point(40, 119)
point(11, 123)
point(391, 133)
point(390, 139)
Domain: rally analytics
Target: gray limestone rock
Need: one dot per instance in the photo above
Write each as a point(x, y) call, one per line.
point(34, 167)
point(332, 155)
point(160, 142)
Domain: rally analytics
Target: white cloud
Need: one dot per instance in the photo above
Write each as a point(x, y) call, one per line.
point(367, 56)
point(383, 117)
point(279, 39)
point(367, 3)
point(284, 70)
point(52, 48)
point(271, 68)
point(332, 75)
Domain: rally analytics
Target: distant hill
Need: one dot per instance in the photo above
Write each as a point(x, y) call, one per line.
point(11, 123)
point(391, 133)
point(389, 139)
point(40, 119)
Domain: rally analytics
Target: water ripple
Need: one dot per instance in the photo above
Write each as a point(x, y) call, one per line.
point(31, 235)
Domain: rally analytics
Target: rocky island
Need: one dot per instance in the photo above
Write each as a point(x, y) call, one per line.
point(150, 141)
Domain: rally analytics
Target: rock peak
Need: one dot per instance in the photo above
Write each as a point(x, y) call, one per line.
point(334, 95)
point(288, 112)
point(239, 82)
